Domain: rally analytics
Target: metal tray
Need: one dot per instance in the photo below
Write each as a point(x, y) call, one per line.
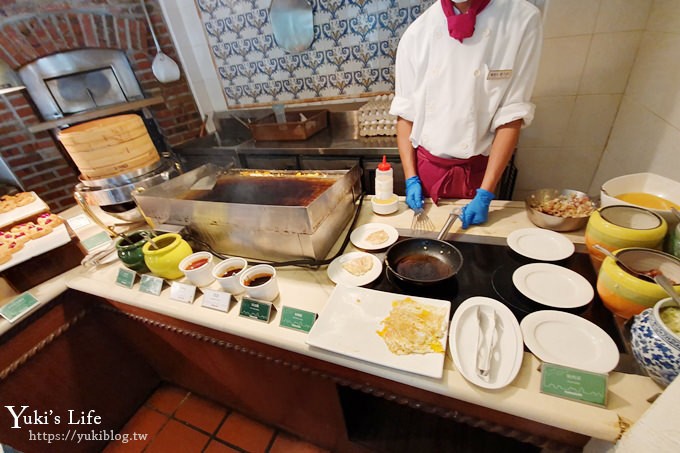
point(256, 230)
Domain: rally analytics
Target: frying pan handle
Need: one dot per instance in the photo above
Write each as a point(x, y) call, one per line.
point(453, 216)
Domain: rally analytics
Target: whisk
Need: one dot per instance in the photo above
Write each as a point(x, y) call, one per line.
point(421, 221)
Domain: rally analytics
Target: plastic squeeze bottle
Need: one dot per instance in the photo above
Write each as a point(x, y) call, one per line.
point(384, 184)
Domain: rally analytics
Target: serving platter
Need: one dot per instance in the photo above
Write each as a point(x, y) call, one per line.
point(553, 286)
point(540, 244)
point(350, 320)
point(569, 340)
point(508, 353)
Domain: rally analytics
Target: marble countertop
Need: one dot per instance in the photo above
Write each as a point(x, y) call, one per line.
point(309, 290)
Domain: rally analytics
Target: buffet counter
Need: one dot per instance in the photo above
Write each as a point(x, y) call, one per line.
point(308, 290)
point(629, 395)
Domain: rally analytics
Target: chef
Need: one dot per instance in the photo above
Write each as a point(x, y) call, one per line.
point(465, 71)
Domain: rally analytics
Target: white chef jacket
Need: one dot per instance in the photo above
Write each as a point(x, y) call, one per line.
point(457, 94)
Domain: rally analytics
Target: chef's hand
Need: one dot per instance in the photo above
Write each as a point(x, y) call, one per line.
point(477, 211)
point(414, 193)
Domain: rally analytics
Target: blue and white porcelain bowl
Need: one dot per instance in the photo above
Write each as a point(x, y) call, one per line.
point(655, 347)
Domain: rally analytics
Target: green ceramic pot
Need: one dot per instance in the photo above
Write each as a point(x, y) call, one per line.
point(131, 254)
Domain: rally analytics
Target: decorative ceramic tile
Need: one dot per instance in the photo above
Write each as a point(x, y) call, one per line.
point(353, 52)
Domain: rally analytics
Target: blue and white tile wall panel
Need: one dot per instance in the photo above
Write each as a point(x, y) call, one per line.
point(355, 44)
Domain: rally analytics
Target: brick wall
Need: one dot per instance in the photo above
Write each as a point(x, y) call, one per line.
point(31, 30)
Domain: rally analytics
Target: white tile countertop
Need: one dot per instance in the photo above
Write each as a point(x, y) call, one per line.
point(309, 289)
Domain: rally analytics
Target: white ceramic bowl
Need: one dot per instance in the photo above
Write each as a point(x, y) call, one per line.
point(649, 183)
point(198, 267)
point(231, 283)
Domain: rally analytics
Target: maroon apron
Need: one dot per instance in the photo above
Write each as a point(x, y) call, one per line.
point(450, 178)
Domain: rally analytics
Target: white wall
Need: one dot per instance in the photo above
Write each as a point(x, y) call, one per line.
point(646, 133)
point(589, 50)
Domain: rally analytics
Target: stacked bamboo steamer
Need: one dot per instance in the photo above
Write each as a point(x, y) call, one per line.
point(109, 147)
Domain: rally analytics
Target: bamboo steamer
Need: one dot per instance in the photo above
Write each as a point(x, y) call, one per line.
point(110, 146)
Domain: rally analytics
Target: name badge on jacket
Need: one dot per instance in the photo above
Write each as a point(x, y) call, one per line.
point(499, 74)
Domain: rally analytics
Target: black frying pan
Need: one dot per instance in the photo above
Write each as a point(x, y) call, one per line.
point(423, 261)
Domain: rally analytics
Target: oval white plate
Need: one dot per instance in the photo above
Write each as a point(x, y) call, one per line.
point(540, 244)
point(508, 353)
point(339, 275)
point(358, 236)
point(552, 285)
point(569, 340)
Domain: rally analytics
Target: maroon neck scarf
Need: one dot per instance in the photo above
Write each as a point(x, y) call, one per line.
point(462, 26)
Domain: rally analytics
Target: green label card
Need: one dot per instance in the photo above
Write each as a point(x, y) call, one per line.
point(255, 309)
point(17, 307)
point(126, 277)
point(294, 318)
point(95, 241)
point(151, 285)
point(574, 384)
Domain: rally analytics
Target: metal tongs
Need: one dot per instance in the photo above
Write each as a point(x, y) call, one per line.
point(486, 340)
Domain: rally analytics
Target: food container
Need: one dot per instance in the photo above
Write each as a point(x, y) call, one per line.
point(617, 226)
point(260, 214)
point(260, 282)
point(655, 346)
point(164, 261)
point(228, 272)
point(131, 253)
point(111, 146)
point(626, 295)
point(555, 222)
point(298, 126)
point(198, 267)
point(636, 186)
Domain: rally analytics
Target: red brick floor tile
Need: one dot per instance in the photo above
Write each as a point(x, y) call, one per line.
point(145, 423)
point(201, 413)
point(287, 443)
point(167, 398)
point(245, 433)
point(178, 437)
point(215, 446)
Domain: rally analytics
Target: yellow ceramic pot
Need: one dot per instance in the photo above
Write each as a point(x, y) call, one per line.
point(626, 295)
point(164, 261)
point(617, 227)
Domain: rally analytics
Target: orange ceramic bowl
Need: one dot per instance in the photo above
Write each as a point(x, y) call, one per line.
point(626, 295)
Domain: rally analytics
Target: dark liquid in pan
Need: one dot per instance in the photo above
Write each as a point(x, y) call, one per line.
point(423, 267)
point(264, 190)
point(257, 280)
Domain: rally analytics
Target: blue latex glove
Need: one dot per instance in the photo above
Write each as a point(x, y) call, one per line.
point(477, 211)
point(414, 193)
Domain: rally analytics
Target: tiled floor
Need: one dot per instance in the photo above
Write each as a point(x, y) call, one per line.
point(175, 420)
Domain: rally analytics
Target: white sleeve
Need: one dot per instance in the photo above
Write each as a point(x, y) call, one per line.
point(404, 80)
point(517, 103)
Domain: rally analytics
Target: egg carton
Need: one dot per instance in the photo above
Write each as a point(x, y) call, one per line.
point(375, 119)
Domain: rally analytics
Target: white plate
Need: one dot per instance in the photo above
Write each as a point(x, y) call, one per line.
point(540, 244)
point(349, 322)
point(552, 285)
point(569, 340)
point(358, 236)
point(339, 275)
point(508, 353)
